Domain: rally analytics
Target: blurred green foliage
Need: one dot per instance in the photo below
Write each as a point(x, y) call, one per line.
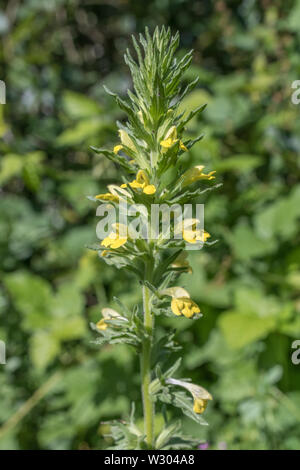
point(57, 387)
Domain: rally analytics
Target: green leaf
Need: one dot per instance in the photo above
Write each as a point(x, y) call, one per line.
point(69, 329)
point(32, 297)
point(246, 244)
point(82, 131)
point(239, 163)
point(241, 330)
point(11, 165)
point(44, 347)
point(77, 105)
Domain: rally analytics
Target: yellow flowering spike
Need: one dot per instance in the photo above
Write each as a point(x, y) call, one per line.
point(117, 148)
point(195, 174)
point(107, 197)
point(184, 306)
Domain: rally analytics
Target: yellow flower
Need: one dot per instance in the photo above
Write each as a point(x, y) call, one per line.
point(142, 182)
point(195, 174)
point(199, 405)
point(149, 189)
point(182, 146)
point(201, 397)
point(117, 148)
point(140, 115)
point(114, 239)
point(193, 236)
point(126, 140)
point(108, 314)
point(171, 139)
point(181, 303)
point(199, 394)
point(190, 232)
point(107, 197)
point(184, 306)
point(175, 291)
point(101, 325)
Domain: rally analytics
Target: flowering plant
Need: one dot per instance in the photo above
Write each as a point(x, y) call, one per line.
point(150, 154)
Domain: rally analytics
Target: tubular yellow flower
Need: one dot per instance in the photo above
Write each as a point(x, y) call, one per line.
point(126, 140)
point(149, 189)
point(199, 394)
point(114, 239)
point(184, 306)
point(167, 143)
point(199, 405)
point(195, 174)
point(182, 146)
point(201, 397)
point(140, 115)
point(175, 291)
point(101, 325)
point(108, 314)
point(193, 236)
point(107, 197)
point(117, 148)
point(181, 303)
point(113, 243)
point(190, 232)
point(142, 182)
point(171, 139)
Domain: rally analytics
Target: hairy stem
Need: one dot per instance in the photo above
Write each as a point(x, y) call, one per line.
point(148, 404)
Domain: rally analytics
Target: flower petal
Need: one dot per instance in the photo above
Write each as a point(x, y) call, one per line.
point(117, 148)
point(149, 189)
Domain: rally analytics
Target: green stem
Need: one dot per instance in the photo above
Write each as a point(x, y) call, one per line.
point(148, 404)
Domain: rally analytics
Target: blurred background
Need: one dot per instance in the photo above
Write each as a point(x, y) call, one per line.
point(57, 388)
